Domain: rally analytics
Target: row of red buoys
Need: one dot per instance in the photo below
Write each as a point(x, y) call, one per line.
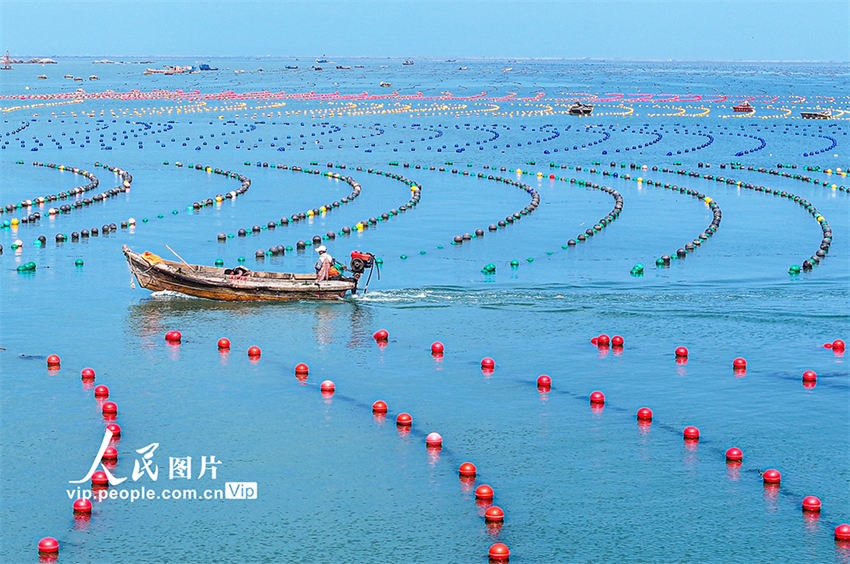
point(836, 345)
point(604, 340)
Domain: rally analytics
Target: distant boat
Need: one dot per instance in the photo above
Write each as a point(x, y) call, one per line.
point(342, 67)
point(463, 68)
point(386, 84)
point(206, 67)
point(321, 61)
point(820, 114)
point(288, 67)
point(507, 69)
point(317, 68)
point(407, 62)
point(579, 109)
point(78, 78)
point(744, 107)
point(69, 76)
point(42, 76)
point(94, 77)
point(7, 62)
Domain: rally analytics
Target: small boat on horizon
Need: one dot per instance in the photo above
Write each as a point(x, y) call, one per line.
point(240, 284)
point(385, 84)
point(407, 62)
point(743, 107)
point(289, 67)
point(94, 77)
point(42, 77)
point(580, 109)
point(818, 114)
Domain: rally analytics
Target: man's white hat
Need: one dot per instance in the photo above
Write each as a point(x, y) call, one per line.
point(321, 249)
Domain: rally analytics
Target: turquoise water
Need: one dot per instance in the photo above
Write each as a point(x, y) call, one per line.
point(337, 484)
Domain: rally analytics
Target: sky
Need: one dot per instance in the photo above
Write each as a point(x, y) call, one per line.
point(807, 30)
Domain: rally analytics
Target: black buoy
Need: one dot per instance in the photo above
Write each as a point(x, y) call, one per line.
point(222, 237)
point(492, 227)
point(681, 253)
point(241, 232)
point(457, 239)
point(317, 240)
point(331, 235)
point(479, 232)
point(301, 245)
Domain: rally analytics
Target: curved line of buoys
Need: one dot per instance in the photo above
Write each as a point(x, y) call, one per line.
point(41, 200)
point(371, 222)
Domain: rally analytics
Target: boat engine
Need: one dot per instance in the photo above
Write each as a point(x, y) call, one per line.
point(360, 261)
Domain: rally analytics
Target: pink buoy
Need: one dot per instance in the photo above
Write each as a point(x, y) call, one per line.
point(434, 440)
point(99, 478)
point(82, 505)
point(327, 386)
point(48, 545)
point(842, 532)
point(734, 454)
point(811, 503)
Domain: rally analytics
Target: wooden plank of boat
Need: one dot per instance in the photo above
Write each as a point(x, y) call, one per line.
point(157, 274)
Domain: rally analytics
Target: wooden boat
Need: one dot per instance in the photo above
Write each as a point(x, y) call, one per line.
point(579, 109)
point(744, 107)
point(240, 284)
point(822, 114)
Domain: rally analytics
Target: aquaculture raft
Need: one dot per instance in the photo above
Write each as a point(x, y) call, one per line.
point(237, 284)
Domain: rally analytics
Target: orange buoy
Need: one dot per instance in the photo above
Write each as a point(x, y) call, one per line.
point(434, 440)
point(484, 492)
point(811, 503)
point(499, 552)
point(494, 514)
point(379, 406)
point(771, 476)
point(48, 545)
point(734, 454)
point(644, 414)
point(467, 469)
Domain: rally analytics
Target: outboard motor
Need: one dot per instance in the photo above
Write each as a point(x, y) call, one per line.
point(360, 261)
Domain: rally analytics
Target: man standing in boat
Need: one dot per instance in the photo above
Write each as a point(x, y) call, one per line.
point(325, 264)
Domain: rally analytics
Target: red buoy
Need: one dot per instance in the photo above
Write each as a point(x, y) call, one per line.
point(811, 503)
point(494, 514)
point(434, 440)
point(617, 341)
point(734, 454)
point(116, 430)
point(99, 478)
point(87, 374)
point(488, 363)
point(739, 363)
point(82, 505)
point(594, 340)
point(603, 340)
point(771, 476)
point(681, 352)
point(467, 469)
point(302, 369)
point(173, 336)
point(838, 345)
point(53, 360)
point(110, 453)
point(101, 392)
point(842, 532)
point(224, 344)
point(381, 335)
point(691, 433)
point(437, 347)
point(327, 386)
point(109, 407)
point(404, 420)
point(379, 406)
point(49, 545)
point(809, 376)
point(597, 397)
point(499, 552)
point(484, 492)
point(644, 414)
point(543, 381)
point(254, 351)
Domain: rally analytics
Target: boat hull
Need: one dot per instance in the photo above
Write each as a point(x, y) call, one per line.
point(214, 284)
